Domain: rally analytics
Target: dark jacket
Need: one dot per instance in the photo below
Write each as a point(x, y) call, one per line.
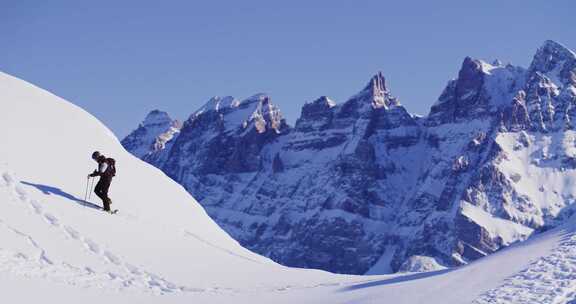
point(103, 168)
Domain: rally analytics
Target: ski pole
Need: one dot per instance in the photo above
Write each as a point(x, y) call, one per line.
point(91, 189)
point(86, 191)
point(93, 182)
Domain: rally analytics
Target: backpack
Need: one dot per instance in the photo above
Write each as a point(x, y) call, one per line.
point(111, 170)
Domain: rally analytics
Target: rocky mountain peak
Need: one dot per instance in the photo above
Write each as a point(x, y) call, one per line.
point(316, 114)
point(266, 115)
point(157, 118)
point(232, 116)
point(556, 62)
point(152, 134)
point(318, 105)
point(480, 90)
point(374, 96)
point(470, 69)
point(377, 83)
point(325, 100)
point(377, 93)
point(460, 97)
point(218, 103)
point(551, 52)
point(258, 98)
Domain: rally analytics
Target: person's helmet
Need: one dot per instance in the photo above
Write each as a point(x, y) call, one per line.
point(95, 155)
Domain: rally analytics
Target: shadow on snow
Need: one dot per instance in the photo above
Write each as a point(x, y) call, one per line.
point(395, 280)
point(49, 190)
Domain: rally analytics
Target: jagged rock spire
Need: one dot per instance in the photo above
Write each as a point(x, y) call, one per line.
point(377, 83)
point(374, 95)
point(378, 93)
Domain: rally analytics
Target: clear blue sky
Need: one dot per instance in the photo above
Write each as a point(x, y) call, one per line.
point(121, 59)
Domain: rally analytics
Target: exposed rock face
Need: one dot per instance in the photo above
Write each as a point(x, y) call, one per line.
point(152, 135)
point(365, 186)
point(316, 115)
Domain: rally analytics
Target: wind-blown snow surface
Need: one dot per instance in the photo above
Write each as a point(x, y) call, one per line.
point(54, 245)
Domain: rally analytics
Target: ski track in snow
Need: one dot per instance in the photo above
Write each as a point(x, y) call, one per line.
point(550, 279)
point(121, 277)
point(192, 235)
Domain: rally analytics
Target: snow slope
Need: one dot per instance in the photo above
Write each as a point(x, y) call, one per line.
point(163, 231)
point(54, 245)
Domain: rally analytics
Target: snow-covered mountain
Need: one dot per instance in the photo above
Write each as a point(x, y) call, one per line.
point(162, 246)
point(152, 134)
point(366, 187)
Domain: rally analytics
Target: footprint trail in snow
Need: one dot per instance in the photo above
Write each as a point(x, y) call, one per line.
point(550, 279)
point(30, 259)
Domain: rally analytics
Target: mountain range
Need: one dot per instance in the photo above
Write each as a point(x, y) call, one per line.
point(365, 187)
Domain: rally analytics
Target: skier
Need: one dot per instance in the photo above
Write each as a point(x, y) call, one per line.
point(106, 170)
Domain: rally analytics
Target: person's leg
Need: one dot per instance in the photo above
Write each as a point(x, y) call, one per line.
point(99, 189)
point(104, 191)
point(106, 203)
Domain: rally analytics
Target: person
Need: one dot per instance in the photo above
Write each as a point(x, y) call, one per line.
point(106, 170)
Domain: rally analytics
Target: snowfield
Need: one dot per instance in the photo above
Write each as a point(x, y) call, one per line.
point(162, 246)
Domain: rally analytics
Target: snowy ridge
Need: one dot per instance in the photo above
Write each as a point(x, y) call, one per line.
point(236, 115)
